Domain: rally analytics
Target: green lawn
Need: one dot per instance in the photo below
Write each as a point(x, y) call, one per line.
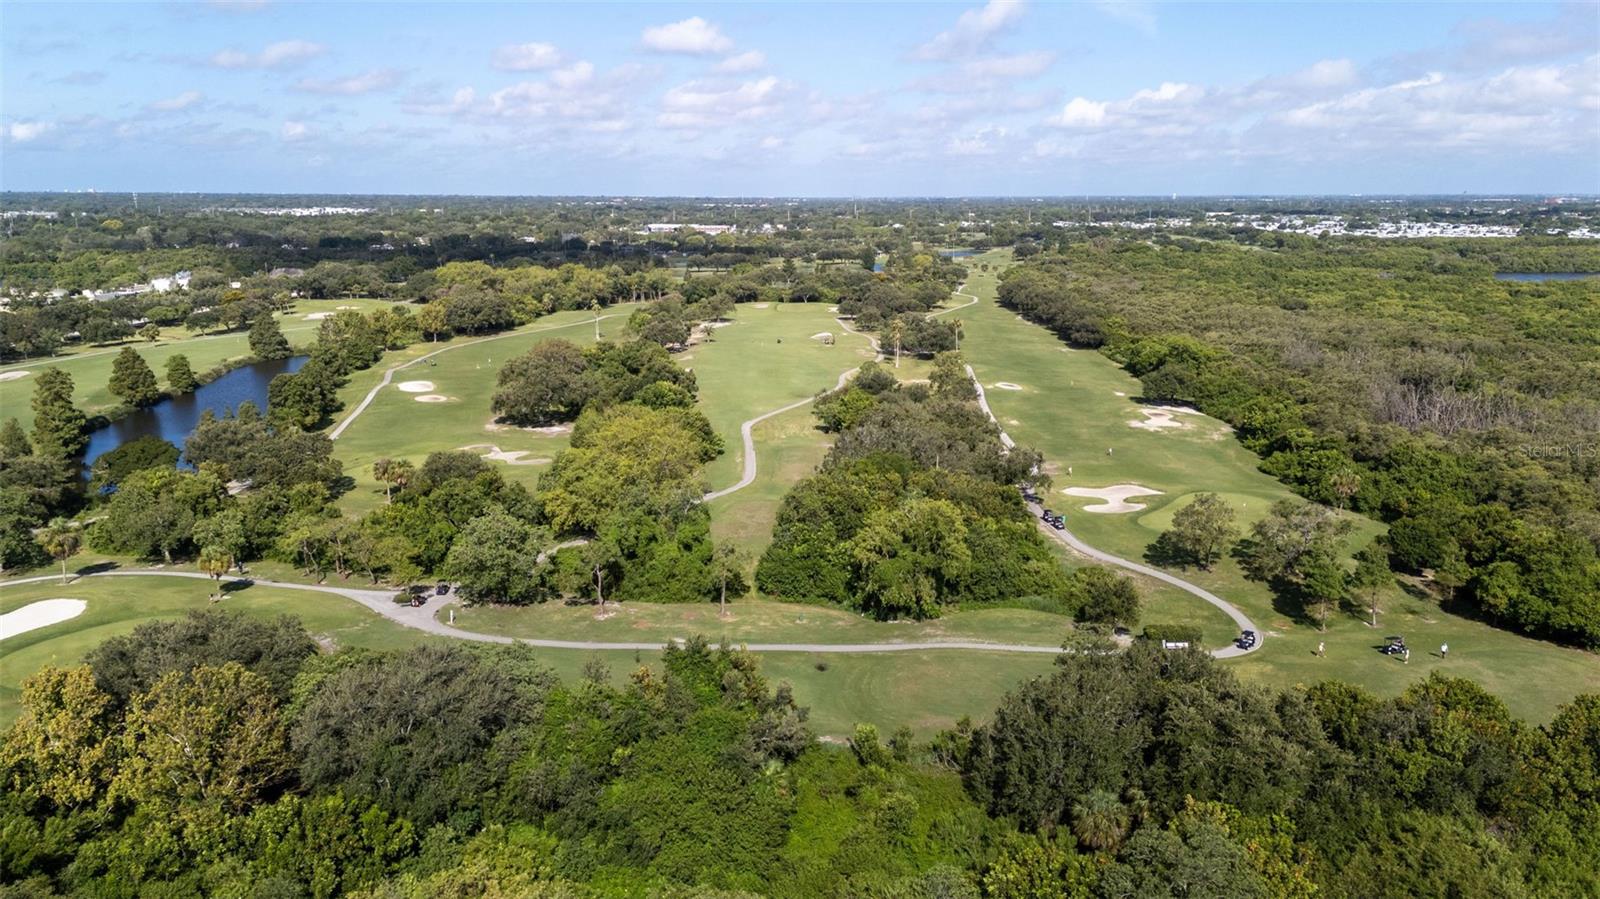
point(397, 425)
point(1074, 405)
point(90, 366)
point(116, 605)
point(758, 621)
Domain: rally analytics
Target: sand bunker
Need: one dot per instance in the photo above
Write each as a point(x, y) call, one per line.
point(318, 316)
point(1160, 418)
point(822, 335)
point(1113, 498)
point(1119, 393)
point(510, 458)
point(547, 429)
point(415, 386)
point(341, 308)
point(432, 398)
point(1006, 385)
point(39, 614)
point(760, 305)
point(13, 375)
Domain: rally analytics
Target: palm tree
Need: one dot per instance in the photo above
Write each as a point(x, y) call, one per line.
point(1099, 821)
point(392, 473)
point(897, 330)
point(594, 306)
point(61, 539)
point(727, 564)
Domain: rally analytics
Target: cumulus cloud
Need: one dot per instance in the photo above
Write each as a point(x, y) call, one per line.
point(527, 57)
point(699, 104)
point(281, 55)
point(351, 86)
point(23, 132)
point(1080, 113)
point(973, 30)
point(748, 61)
point(181, 101)
point(1326, 73)
point(295, 131)
point(694, 36)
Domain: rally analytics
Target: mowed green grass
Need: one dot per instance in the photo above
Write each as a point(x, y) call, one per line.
point(763, 359)
point(90, 366)
point(396, 425)
point(116, 605)
point(1074, 405)
point(758, 621)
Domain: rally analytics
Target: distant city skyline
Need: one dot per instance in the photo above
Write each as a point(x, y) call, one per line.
point(896, 100)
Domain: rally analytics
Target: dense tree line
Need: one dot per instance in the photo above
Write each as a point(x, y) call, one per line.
point(1399, 381)
point(915, 509)
point(224, 755)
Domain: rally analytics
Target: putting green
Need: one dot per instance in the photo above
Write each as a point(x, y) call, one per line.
point(1247, 508)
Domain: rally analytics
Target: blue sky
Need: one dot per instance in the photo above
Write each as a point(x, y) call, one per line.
point(1002, 98)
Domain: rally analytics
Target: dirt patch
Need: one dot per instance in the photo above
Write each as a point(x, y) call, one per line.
point(14, 375)
point(1112, 499)
point(496, 427)
point(511, 457)
point(1161, 418)
point(414, 386)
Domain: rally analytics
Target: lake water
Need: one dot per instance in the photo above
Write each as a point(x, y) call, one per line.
point(174, 419)
point(1545, 276)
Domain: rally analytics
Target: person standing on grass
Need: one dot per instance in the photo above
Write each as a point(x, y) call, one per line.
point(1322, 649)
point(1405, 657)
point(1444, 650)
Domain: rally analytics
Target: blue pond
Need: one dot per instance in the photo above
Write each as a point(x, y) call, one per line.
point(174, 419)
point(1545, 276)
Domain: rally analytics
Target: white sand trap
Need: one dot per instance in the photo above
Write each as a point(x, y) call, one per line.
point(822, 335)
point(39, 614)
point(318, 316)
point(1160, 418)
point(1006, 385)
point(761, 305)
point(833, 308)
point(14, 375)
point(1119, 393)
point(1113, 498)
point(415, 386)
point(715, 324)
point(342, 308)
point(510, 458)
point(432, 398)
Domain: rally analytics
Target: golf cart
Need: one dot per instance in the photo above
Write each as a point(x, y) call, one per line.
point(1394, 646)
point(1246, 640)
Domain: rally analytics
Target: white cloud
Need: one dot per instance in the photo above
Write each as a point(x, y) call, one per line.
point(1327, 73)
point(701, 105)
point(527, 57)
point(748, 61)
point(22, 132)
point(973, 30)
point(1080, 113)
point(280, 55)
point(295, 131)
point(181, 101)
point(693, 36)
point(354, 85)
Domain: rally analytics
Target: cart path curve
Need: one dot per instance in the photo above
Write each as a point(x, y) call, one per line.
point(1071, 540)
point(421, 618)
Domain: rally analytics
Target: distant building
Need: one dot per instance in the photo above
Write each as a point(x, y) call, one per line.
point(669, 227)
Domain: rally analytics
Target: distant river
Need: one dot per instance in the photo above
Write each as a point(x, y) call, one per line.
point(1545, 276)
point(175, 419)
